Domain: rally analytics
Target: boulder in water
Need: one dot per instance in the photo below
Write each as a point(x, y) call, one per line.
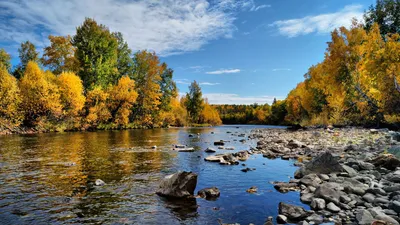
point(178, 185)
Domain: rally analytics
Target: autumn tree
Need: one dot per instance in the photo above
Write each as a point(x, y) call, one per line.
point(60, 55)
point(97, 54)
point(5, 59)
point(40, 95)
point(27, 52)
point(194, 102)
point(71, 93)
point(209, 115)
point(122, 97)
point(10, 98)
point(96, 106)
point(147, 76)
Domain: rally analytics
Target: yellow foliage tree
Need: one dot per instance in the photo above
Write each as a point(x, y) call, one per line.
point(9, 97)
point(40, 95)
point(209, 115)
point(96, 104)
point(122, 97)
point(71, 93)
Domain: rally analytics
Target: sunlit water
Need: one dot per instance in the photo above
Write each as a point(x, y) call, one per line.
point(48, 178)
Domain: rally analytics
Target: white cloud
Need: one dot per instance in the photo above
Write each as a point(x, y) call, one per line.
point(167, 27)
point(256, 8)
point(323, 23)
point(182, 81)
point(281, 69)
point(222, 71)
point(208, 83)
point(223, 98)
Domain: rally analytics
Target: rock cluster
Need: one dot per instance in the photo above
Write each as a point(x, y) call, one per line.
point(346, 176)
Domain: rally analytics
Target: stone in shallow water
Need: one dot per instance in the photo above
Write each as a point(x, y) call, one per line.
point(178, 185)
point(293, 212)
point(209, 193)
point(99, 182)
point(252, 190)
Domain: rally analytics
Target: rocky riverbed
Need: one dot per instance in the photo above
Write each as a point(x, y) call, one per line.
point(346, 175)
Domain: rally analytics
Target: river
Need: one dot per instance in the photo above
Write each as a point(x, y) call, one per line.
point(48, 178)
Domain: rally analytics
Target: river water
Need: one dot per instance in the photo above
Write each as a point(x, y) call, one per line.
point(48, 178)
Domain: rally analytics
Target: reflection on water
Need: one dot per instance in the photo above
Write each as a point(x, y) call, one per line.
point(49, 178)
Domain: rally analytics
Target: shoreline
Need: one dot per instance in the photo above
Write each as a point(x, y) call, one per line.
point(346, 175)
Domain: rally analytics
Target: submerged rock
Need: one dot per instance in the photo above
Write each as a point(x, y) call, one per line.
point(178, 185)
point(284, 187)
point(252, 190)
point(210, 150)
point(209, 193)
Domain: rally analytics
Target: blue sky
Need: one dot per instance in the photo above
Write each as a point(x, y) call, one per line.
point(241, 52)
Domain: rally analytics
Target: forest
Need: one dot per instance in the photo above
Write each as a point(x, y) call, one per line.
point(92, 80)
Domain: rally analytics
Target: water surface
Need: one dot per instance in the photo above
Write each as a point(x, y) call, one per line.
point(48, 178)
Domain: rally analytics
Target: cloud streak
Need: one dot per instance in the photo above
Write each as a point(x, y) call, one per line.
point(256, 8)
point(168, 27)
point(223, 71)
point(323, 23)
point(208, 83)
point(281, 69)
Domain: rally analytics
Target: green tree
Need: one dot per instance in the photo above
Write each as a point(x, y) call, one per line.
point(386, 13)
point(5, 59)
point(124, 59)
point(194, 102)
point(168, 88)
point(97, 53)
point(27, 52)
point(147, 76)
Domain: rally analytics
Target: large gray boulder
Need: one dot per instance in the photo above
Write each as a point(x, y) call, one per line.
point(324, 163)
point(178, 185)
point(364, 217)
point(329, 192)
point(293, 212)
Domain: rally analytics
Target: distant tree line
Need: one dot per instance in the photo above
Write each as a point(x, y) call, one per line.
point(253, 114)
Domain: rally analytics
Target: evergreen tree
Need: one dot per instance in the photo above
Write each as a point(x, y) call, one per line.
point(124, 59)
point(168, 88)
point(194, 102)
point(27, 52)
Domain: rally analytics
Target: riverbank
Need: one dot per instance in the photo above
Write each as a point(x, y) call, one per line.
point(9, 130)
point(345, 175)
